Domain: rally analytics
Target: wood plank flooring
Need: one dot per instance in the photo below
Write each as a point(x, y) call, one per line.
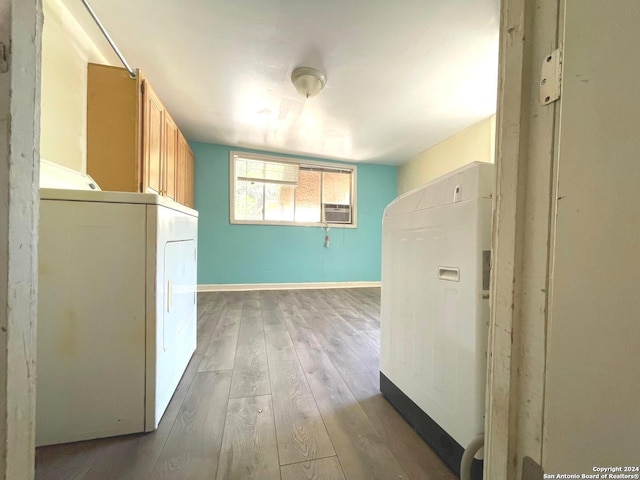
point(283, 386)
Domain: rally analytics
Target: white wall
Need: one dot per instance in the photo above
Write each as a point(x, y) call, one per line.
point(475, 143)
point(66, 50)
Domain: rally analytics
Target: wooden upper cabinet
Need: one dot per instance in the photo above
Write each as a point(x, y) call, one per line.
point(133, 143)
point(113, 129)
point(185, 173)
point(180, 169)
point(189, 186)
point(153, 144)
point(171, 156)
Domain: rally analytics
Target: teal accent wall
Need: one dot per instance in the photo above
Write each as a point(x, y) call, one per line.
point(236, 254)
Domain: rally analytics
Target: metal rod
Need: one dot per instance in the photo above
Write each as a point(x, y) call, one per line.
point(131, 71)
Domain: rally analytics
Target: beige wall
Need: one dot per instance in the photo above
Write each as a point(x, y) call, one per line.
point(475, 143)
point(66, 49)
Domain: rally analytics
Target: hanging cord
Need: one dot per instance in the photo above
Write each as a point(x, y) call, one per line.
point(327, 240)
point(131, 71)
point(467, 457)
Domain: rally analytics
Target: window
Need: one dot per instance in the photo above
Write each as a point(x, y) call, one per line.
point(283, 191)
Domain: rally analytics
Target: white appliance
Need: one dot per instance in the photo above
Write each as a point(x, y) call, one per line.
point(116, 308)
point(435, 307)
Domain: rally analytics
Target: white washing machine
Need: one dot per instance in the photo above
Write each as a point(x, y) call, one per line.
point(116, 308)
point(436, 256)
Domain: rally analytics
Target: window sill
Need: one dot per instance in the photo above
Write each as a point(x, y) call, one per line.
point(293, 224)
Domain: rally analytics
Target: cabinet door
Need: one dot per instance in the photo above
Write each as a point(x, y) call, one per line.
point(190, 179)
point(170, 156)
point(113, 128)
point(591, 415)
point(152, 141)
point(184, 173)
point(181, 164)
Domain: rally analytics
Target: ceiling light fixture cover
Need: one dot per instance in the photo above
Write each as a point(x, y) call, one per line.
point(308, 81)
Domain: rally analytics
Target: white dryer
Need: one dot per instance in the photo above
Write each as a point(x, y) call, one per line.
point(116, 310)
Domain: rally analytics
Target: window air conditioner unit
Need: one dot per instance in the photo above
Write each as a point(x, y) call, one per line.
point(335, 213)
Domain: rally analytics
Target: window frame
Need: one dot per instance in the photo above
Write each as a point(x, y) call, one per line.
point(300, 162)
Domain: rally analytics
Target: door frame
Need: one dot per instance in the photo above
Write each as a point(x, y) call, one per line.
point(21, 37)
point(526, 133)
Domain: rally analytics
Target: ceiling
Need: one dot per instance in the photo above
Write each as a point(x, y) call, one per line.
point(402, 75)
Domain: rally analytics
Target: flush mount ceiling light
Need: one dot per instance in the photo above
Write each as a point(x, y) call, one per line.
point(308, 81)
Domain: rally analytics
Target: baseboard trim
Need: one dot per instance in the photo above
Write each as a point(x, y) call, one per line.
point(231, 287)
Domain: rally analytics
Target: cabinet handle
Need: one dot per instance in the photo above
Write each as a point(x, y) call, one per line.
point(169, 295)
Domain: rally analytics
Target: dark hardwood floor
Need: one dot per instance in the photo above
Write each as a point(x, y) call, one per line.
point(283, 385)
